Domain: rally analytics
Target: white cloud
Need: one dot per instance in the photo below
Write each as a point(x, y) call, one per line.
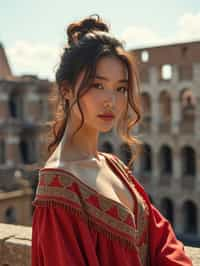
point(33, 58)
point(41, 58)
point(188, 29)
point(136, 36)
point(189, 26)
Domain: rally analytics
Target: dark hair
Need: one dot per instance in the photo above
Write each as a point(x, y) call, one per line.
point(88, 41)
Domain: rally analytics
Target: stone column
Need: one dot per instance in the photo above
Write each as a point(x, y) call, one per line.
point(4, 110)
point(176, 115)
point(13, 155)
point(155, 166)
point(197, 117)
point(198, 220)
point(178, 217)
point(177, 172)
point(196, 71)
point(154, 76)
point(197, 185)
point(175, 76)
point(155, 115)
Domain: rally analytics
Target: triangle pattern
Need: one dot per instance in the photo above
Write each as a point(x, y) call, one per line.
point(113, 211)
point(74, 188)
point(55, 182)
point(93, 199)
point(129, 220)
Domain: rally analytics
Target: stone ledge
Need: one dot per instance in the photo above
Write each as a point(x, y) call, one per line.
point(15, 246)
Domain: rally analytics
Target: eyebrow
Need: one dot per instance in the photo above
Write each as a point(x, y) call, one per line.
point(104, 78)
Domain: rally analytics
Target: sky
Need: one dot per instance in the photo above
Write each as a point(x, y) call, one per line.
point(33, 32)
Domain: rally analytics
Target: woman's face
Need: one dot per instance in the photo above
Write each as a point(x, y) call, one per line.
point(108, 93)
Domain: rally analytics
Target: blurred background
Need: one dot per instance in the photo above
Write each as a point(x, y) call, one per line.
point(165, 37)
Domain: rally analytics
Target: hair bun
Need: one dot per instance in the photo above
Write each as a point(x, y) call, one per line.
point(77, 30)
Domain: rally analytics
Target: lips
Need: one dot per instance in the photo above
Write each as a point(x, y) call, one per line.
point(108, 115)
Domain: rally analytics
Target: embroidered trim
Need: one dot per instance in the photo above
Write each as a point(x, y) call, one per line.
point(142, 215)
point(57, 187)
point(92, 223)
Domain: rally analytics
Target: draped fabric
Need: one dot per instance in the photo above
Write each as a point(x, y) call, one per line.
point(75, 225)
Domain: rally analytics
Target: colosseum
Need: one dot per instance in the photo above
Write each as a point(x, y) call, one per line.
point(168, 168)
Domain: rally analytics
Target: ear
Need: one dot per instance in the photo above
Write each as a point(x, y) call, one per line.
point(66, 90)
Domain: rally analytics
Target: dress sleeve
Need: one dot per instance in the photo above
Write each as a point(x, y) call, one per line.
point(57, 238)
point(165, 248)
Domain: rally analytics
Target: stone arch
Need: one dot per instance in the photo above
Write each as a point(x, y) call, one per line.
point(146, 104)
point(190, 223)
point(167, 209)
point(10, 215)
point(146, 159)
point(28, 150)
point(125, 153)
point(2, 151)
point(188, 106)
point(15, 104)
point(188, 158)
point(166, 162)
point(165, 72)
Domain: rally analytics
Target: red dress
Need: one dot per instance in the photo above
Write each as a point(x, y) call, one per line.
point(74, 225)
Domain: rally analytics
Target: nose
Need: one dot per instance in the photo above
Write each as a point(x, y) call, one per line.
point(110, 97)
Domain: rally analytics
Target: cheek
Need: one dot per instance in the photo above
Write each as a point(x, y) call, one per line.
point(89, 104)
point(121, 103)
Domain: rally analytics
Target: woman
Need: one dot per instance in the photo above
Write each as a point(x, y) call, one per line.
point(89, 208)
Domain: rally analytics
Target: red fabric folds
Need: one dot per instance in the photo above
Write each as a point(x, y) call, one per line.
point(78, 227)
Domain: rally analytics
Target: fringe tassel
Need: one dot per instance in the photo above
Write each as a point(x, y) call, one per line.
point(92, 224)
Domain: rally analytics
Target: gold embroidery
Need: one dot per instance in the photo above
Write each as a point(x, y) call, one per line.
point(143, 212)
point(72, 194)
point(80, 200)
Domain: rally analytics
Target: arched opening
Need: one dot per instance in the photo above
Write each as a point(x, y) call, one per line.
point(188, 105)
point(10, 215)
point(167, 209)
point(166, 72)
point(144, 56)
point(16, 105)
point(166, 167)
point(189, 161)
point(28, 149)
point(125, 153)
point(146, 163)
point(2, 152)
point(189, 217)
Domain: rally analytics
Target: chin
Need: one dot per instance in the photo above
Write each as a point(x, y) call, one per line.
point(105, 130)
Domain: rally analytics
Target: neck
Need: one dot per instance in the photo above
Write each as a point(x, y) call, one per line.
point(84, 145)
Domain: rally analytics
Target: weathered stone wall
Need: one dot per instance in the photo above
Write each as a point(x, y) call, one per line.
point(15, 246)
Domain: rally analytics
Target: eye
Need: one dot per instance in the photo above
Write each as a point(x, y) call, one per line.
point(122, 89)
point(97, 85)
